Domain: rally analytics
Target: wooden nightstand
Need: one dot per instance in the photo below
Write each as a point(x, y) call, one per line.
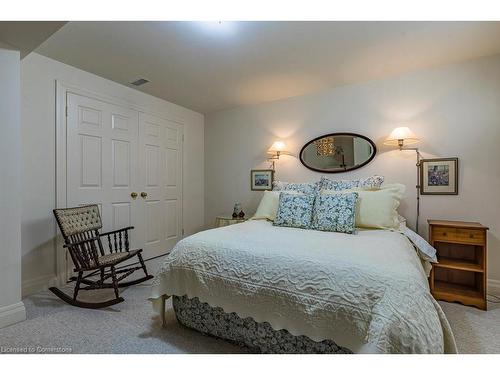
point(223, 221)
point(460, 275)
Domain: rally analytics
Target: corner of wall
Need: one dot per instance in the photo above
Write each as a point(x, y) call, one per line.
point(38, 284)
point(494, 286)
point(11, 307)
point(12, 314)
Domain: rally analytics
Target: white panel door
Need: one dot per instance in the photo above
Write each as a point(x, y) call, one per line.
point(160, 181)
point(113, 151)
point(102, 144)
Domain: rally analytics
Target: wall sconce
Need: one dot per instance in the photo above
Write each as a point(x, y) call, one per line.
point(277, 149)
point(401, 137)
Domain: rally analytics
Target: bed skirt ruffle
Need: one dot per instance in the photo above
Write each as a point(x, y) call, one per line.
point(258, 337)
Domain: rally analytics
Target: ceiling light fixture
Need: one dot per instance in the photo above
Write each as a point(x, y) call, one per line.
point(217, 27)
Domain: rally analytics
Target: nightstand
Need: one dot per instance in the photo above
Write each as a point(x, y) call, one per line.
point(460, 275)
point(223, 221)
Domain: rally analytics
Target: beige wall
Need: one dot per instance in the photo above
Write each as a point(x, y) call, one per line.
point(11, 308)
point(455, 109)
point(38, 77)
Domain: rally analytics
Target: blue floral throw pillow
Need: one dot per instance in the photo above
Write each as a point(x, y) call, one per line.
point(373, 182)
point(294, 210)
point(335, 212)
point(304, 187)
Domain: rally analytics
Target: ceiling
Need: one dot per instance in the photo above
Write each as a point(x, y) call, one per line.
point(26, 36)
point(212, 66)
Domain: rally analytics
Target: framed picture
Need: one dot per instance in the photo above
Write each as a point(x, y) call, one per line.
point(439, 176)
point(261, 179)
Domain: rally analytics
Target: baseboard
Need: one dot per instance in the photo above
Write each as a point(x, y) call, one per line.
point(38, 284)
point(12, 314)
point(494, 286)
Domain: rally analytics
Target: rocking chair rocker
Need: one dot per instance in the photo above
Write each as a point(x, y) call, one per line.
point(80, 228)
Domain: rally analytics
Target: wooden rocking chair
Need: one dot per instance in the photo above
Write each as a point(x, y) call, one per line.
point(80, 228)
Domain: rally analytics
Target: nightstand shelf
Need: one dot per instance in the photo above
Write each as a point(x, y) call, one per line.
point(454, 264)
point(450, 290)
point(460, 275)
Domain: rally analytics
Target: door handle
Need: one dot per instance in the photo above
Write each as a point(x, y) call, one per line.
point(133, 195)
point(144, 194)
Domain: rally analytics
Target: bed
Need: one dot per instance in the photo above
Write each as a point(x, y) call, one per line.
point(277, 289)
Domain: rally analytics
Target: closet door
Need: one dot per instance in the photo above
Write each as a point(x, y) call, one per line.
point(160, 181)
point(102, 144)
point(114, 151)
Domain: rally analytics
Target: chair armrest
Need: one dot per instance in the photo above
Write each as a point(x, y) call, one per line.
point(115, 231)
point(118, 239)
point(72, 244)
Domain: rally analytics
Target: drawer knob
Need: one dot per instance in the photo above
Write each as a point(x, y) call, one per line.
point(445, 234)
point(471, 235)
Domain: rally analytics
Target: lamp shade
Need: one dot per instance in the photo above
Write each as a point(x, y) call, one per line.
point(277, 146)
point(401, 135)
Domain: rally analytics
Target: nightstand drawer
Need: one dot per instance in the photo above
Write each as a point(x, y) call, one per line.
point(459, 235)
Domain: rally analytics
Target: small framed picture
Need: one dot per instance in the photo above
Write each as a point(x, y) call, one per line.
point(261, 179)
point(439, 176)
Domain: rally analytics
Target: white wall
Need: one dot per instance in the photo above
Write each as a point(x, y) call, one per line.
point(11, 308)
point(38, 82)
point(455, 109)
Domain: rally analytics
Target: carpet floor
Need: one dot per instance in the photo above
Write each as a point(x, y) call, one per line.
point(132, 327)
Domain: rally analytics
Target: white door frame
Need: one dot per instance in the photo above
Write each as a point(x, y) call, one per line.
point(61, 147)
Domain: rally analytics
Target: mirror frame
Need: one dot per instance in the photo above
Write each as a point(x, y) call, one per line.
point(339, 134)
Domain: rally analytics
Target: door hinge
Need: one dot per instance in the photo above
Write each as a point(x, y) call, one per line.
point(182, 137)
point(182, 231)
point(66, 111)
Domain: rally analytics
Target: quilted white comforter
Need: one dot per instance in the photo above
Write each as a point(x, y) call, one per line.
point(367, 292)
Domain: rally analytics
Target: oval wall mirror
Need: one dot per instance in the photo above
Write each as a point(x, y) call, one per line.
point(337, 152)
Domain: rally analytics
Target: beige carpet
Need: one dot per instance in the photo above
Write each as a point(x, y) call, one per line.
point(132, 327)
point(129, 327)
point(476, 331)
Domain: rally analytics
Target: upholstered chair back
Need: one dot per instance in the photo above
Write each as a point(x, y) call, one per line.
point(78, 220)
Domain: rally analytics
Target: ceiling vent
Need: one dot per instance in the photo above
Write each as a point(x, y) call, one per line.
point(139, 82)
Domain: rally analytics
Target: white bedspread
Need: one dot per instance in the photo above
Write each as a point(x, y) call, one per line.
point(367, 292)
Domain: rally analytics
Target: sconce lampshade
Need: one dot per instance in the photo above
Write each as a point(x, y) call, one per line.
point(400, 136)
point(277, 146)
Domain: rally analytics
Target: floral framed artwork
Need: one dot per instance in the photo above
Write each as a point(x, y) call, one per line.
point(439, 176)
point(261, 179)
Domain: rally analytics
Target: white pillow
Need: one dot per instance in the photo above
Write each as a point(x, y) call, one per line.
point(377, 208)
point(424, 249)
point(402, 222)
point(268, 206)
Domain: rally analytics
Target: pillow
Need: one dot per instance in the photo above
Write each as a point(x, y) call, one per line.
point(335, 212)
point(378, 208)
point(294, 210)
point(401, 222)
point(304, 188)
point(373, 182)
point(424, 249)
point(268, 206)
